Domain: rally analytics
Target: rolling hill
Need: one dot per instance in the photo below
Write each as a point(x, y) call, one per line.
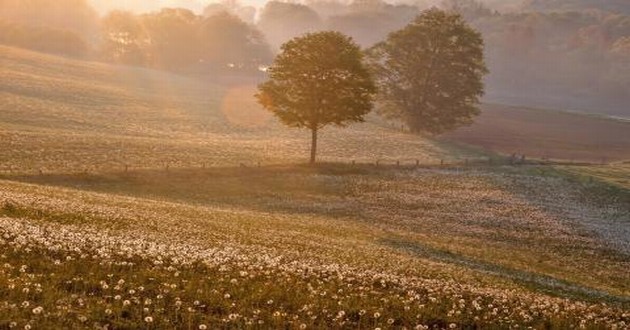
point(285, 245)
point(60, 114)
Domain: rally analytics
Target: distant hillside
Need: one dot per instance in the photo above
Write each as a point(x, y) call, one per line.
point(546, 133)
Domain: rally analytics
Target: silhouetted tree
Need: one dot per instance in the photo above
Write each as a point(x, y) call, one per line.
point(430, 72)
point(318, 80)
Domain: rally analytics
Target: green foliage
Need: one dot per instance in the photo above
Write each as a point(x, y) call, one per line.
point(318, 79)
point(430, 72)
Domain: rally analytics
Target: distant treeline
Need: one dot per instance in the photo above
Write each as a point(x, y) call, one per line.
point(570, 53)
point(42, 39)
point(177, 39)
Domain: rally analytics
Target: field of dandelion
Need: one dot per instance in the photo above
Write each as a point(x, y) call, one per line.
point(212, 244)
point(302, 247)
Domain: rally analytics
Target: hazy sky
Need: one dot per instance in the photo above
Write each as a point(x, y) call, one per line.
point(149, 5)
point(104, 6)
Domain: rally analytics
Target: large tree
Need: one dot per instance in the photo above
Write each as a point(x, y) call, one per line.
point(430, 73)
point(317, 80)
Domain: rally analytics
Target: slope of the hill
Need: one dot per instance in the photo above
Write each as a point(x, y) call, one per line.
point(316, 248)
point(60, 114)
point(547, 134)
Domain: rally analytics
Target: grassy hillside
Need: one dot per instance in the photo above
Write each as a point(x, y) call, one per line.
point(65, 115)
point(327, 247)
point(282, 245)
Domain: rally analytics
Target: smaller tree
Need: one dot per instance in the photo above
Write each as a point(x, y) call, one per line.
point(430, 73)
point(317, 80)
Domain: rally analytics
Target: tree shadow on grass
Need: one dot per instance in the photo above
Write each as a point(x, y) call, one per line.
point(538, 282)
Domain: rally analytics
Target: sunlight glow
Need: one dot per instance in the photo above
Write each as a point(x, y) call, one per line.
point(240, 108)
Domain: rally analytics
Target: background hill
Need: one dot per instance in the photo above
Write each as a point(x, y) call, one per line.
point(60, 114)
point(64, 114)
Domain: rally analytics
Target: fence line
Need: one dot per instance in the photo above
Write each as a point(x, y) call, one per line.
point(472, 162)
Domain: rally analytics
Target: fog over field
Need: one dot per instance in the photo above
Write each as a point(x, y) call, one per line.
point(562, 54)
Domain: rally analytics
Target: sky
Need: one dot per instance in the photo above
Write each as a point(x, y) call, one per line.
point(104, 6)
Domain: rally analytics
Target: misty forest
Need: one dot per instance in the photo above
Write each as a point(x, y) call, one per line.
point(314, 164)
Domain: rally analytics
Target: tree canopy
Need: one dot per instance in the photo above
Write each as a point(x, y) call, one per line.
point(430, 72)
point(317, 80)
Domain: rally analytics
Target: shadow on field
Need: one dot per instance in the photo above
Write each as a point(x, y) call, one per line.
point(280, 188)
point(538, 282)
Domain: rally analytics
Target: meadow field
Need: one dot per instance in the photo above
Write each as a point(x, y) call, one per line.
point(557, 135)
point(96, 232)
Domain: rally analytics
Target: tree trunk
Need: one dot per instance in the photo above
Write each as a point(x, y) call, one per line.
point(313, 145)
